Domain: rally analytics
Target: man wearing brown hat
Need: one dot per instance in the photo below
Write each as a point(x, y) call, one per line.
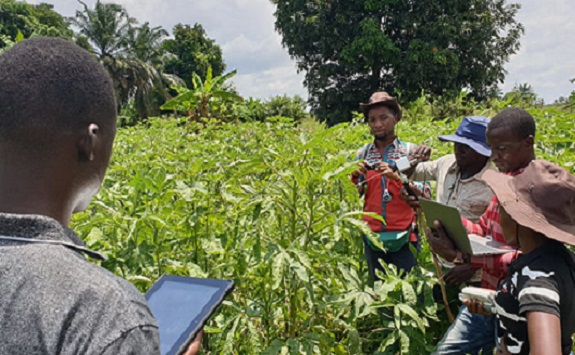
point(535, 304)
point(381, 187)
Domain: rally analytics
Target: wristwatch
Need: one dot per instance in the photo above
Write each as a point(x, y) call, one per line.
point(458, 259)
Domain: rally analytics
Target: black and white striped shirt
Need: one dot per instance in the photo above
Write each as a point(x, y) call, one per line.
point(541, 281)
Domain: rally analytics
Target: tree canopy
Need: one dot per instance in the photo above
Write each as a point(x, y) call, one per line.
point(26, 20)
point(194, 52)
point(349, 49)
point(132, 54)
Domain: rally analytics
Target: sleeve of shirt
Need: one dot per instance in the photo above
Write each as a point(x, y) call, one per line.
point(144, 340)
point(474, 228)
point(482, 228)
point(497, 263)
point(425, 171)
point(540, 295)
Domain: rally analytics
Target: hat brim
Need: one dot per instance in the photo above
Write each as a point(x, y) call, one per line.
point(503, 187)
point(391, 103)
point(476, 146)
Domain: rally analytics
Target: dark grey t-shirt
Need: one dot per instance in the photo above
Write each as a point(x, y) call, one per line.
point(53, 301)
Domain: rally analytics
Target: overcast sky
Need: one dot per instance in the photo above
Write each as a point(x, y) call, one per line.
point(245, 31)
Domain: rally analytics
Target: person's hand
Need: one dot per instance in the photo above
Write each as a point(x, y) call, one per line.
point(385, 170)
point(412, 201)
point(440, 243)
point(459, 274)
point(421, 153)
point(476, 307)
point(194, 347)
point(361, 171)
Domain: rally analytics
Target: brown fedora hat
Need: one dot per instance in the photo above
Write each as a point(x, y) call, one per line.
point(381, 98)
point(541, 198)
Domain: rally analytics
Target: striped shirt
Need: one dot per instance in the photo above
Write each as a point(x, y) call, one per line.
point(541, 281)
point(494, 266)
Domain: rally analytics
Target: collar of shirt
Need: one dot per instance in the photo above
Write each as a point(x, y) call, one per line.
point(39, 229)
point(391, 149)
point(394, 144)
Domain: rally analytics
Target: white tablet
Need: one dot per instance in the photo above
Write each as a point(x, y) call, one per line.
point(182, 305)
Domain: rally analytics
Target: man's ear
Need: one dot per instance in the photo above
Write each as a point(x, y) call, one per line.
point(530, 140)
point(88, 142)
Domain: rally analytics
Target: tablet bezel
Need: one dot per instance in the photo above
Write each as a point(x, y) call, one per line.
point(450, 218)
point(224, 288)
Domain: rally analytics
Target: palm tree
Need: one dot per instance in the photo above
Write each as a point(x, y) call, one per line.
point(106, 28)
point(132, 55)
point(144, 45)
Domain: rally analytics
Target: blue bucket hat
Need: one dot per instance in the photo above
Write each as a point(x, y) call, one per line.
point(471, 132)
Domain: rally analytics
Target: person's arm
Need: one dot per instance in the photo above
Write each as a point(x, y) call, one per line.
point(486, 221)
point(544, 332)
point(497, 262)
point(440, 243)
point(459, 274)
point(425, 171)
point(358, 175)
point(444, 247)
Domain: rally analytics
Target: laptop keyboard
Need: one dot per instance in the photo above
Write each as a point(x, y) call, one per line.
point(480, 249)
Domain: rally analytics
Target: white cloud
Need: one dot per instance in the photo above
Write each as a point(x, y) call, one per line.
point(271, 82)
point(243, 28)
point(545, 58)
point(245, 31)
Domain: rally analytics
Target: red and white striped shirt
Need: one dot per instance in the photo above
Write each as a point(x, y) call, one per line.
point(494, 266)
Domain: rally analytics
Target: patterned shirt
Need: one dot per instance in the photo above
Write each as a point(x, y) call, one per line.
point(541, 281)
point(494, 266)
point(395, 212)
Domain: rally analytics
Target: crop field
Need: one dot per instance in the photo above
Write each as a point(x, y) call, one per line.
point(269, 205)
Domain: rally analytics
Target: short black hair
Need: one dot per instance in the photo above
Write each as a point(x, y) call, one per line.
point(52, 86)
point(519, 121)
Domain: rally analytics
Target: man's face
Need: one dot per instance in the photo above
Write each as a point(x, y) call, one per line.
point(509, 152)
point(465, 156)
point(381, 121)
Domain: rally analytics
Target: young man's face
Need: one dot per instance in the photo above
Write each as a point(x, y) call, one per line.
point(465, 156)
point(382, 121)
point(509, 152)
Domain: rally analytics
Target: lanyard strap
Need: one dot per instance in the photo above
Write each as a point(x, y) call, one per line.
point(91, 253)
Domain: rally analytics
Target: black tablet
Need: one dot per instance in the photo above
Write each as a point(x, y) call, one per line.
point(182, 305)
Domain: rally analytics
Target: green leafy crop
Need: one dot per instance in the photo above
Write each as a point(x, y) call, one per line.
point(270, 205)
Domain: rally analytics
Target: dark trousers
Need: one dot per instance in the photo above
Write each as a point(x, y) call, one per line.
point(403, 259)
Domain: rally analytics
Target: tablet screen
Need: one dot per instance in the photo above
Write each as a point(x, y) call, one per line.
point(181, 305)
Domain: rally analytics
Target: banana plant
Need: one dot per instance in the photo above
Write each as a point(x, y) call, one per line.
point(210, 98)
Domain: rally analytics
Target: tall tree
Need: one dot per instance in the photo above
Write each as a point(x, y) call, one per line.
point(129, 53)
point(194, 52)
point(349, 49)
point(145, 45)
point(18, 17)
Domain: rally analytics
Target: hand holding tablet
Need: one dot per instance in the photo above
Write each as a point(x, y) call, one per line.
point(182, 305)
